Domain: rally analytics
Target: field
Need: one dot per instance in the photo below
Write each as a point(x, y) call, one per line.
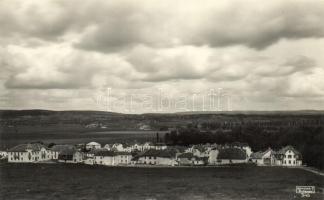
point(10, 139)
point(59, 181)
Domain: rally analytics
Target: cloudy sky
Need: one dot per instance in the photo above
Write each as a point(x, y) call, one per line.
point(161, 56)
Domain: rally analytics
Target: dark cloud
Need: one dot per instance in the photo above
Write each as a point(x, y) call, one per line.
point(110, 26)
point(260, 26)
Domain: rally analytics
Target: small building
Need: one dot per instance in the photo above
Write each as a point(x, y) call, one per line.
point(185, 158)
point(70, 155)
point(104, 157)
point(157, 157)
point(189, 159)
point(263, 158)
point(231, 156)
point(212, 156)
point(89, 156)
point(29, 153)
point(159, 146)
point(123, 158)
point(3, 154)
point(93, 145)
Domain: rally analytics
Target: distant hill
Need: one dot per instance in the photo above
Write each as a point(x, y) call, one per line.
point(157, 121)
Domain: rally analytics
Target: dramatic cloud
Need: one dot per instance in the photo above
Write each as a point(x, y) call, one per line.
point(59, 54)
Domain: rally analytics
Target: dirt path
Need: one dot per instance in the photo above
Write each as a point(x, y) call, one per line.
point(315, 171)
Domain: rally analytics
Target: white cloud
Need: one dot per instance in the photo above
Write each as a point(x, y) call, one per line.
point(60, 54)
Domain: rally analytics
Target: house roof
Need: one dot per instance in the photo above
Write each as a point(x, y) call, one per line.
point(232, 154)
point(68, 151)
point(287, 148)
point(105, 153)
point(61, 147)
point(122, 153)
point(238, 144)
point(25, 147)
point(94, 151)
point(260, 154)
point(93, 143)
point(159, 153)
point(186, 155)
point(257, 155)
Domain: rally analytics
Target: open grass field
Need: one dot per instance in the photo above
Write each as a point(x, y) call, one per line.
point(63, 181)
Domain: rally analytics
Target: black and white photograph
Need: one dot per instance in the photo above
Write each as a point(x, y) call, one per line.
point(161, 100)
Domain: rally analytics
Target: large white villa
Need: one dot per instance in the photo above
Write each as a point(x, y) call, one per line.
point(25, 153)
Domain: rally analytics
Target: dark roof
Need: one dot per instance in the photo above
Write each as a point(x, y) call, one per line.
point(70, 150)
point(287, 148)
point(257, 155)
point(94, 151)
point(186, 155)
point(238, 144)
point(159, 144)
point(122, 153)
point(105, 153)
point(25, 147)
point(159, 153)
point(232, 154)
point(61, 147)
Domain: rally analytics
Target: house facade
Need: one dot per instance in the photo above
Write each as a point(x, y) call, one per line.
point(29, 153)
point(104, 158)
point(123, 158)
point(157, 157)
point(212, 156)
point(288, 156)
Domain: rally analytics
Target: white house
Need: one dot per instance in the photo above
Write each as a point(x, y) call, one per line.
point(159, 146)
point(105, 157)
point(93, 145)
point(28, 153)
point(288, 156)
point(212, 156)
point(123, 158)
point(157, 157)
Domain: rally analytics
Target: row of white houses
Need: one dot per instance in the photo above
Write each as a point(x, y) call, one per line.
point(152, 154)
point(127, 147)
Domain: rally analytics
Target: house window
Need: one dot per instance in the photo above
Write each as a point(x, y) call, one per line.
point(285, 162)
point(289, 162)
point(289, 156)
point(294, 162)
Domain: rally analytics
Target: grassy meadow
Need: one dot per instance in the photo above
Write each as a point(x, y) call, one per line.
point(64, 181)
